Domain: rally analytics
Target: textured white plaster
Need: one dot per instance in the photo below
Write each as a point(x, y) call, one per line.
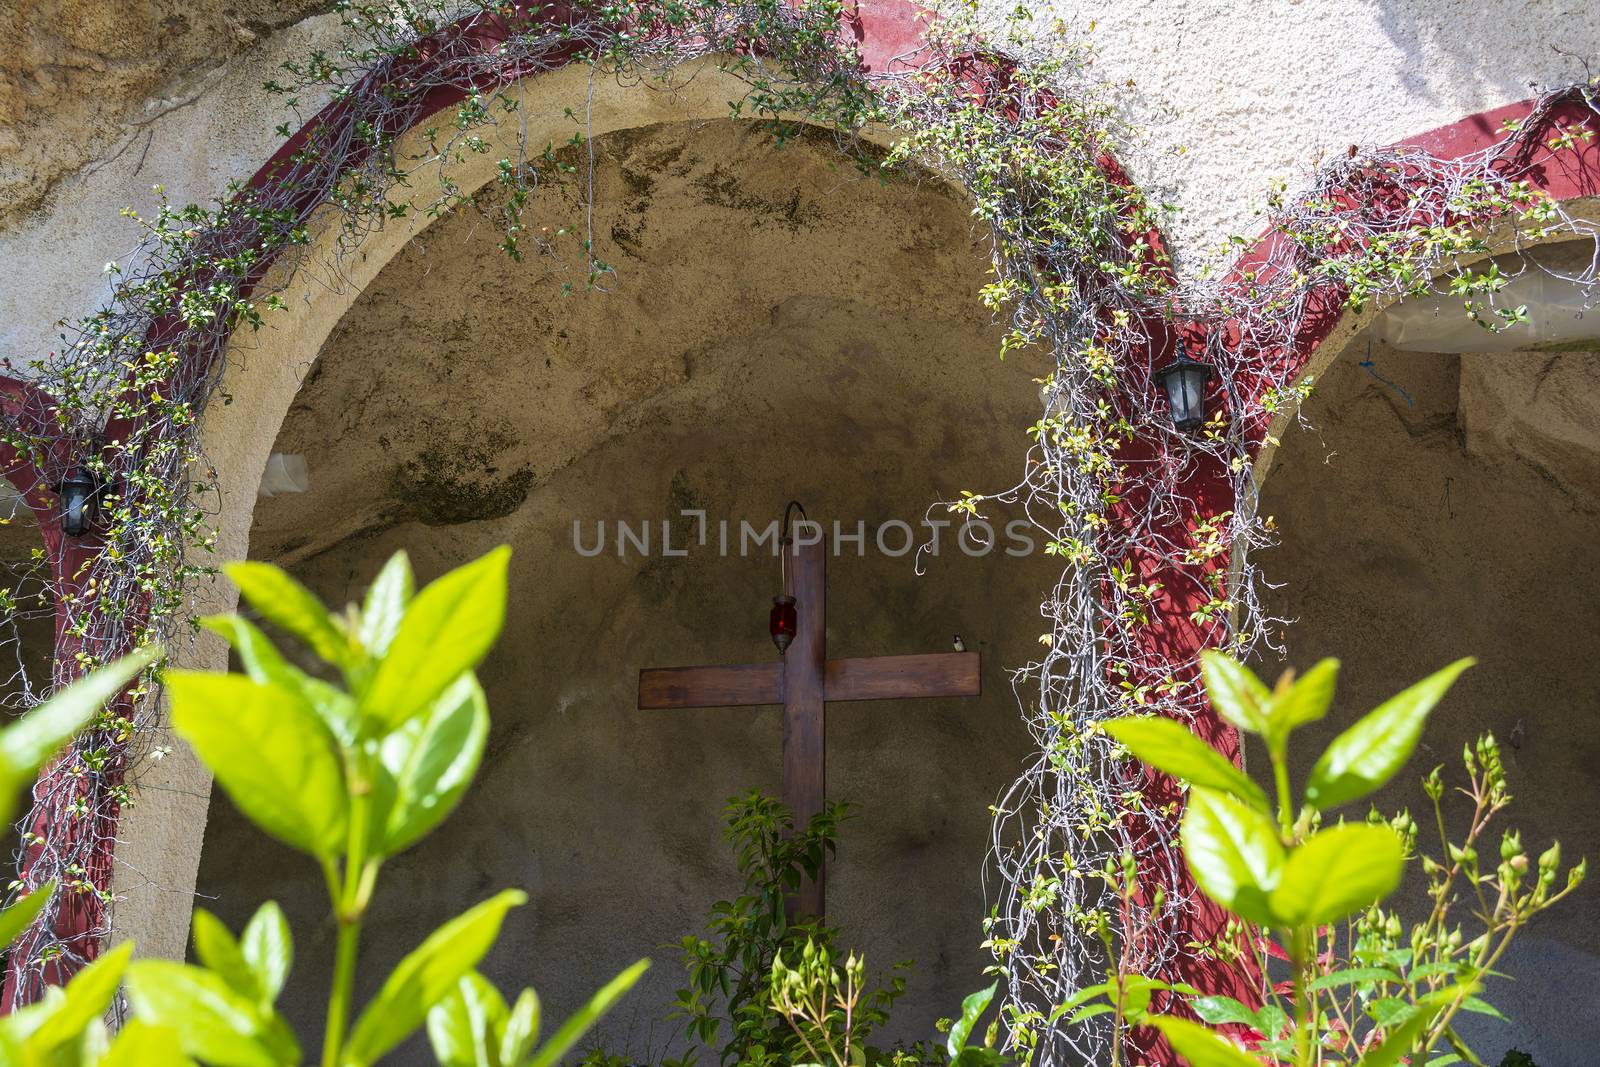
point(1248, 92)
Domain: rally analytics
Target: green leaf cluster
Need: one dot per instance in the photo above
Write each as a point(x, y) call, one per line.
point(1366, 996)
point(349, 773)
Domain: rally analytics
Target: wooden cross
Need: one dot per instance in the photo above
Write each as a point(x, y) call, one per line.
point(804, 681)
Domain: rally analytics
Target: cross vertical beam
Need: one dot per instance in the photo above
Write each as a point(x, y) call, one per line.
point(804, 689)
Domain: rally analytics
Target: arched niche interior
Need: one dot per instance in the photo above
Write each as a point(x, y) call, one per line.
point(780, 325)
point(1448, 504)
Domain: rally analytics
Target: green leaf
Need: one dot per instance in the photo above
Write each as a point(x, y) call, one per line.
point(386, 603)
point(1307, 700)
point(273, 757)
point(216, 947)
point(1199, 1045)
point(1398, 1041)
point(447, 630)
point(1372, 751)
point(1336, 872)
point(1236, 693)
point(286, 603)
point(572, 1031)
point(141, 1044)
point(432, 759)
point(425, 976)
point(213, 1021)
point(1233, 852)
point(29, 742)
point(1169, 746)
point(88, 996)
point(463, 1027)
point(269, 948)
point(972, 1008)
point(1479, 1006)
point(522, 1028)
point(20, 916)
point(264, 664)
point(1352, 976)
point(1220, 1010)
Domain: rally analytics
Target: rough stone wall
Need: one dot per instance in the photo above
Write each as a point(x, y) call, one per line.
point(779, 326)
point(81, 78)
point(1459, 519)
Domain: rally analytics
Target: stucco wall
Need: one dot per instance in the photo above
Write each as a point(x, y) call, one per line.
point(1248, 92)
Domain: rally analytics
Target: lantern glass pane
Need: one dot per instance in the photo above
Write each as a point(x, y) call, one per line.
point(1193, 386)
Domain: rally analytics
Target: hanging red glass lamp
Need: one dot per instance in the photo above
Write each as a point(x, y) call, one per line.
point(784, 620)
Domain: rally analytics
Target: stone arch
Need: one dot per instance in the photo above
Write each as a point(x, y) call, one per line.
point(160, 837)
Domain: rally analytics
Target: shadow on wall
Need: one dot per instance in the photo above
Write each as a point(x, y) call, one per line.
point(1464, 44)
point(1448, 505)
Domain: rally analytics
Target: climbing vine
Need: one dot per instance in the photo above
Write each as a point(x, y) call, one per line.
point(1155, 528)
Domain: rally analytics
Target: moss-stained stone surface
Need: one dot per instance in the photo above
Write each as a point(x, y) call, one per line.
point(1464, 522)
point(77, 78)
point(779, 326)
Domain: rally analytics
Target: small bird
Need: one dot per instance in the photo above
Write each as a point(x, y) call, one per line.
point(961, 646)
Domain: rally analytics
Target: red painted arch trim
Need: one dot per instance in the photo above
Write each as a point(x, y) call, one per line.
point(1569, 173)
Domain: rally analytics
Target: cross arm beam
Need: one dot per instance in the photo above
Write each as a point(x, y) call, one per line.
point(710, 687)
point(942, 674)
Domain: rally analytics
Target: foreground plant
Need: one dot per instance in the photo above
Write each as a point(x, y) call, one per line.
point(1362, 988)
point(350, 774)
point(731, 1003)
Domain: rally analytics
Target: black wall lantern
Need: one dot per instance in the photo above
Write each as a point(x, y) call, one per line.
point(1184, 382)
point(80, 499)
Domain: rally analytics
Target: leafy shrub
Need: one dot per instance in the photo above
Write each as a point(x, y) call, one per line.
point(1363, 986)
point(349, 774)
point(731, 1003)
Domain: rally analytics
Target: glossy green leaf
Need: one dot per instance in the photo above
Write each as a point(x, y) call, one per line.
point(88, 996)
point(1237, 695)
point(425, 976)
point(431, 761)
point(1233, 852)
point(446, 631)
point(572, 1031)
point(1200, 1045)
point(1169, 746)
point(265, 664)
point(271, 754)
point(972, 1008)
point(1219, 1010)
point(141, 1044)
point(1337, 872)
point(1306, 701)
point(284, 602)
point(27, 744)
point(464, 1027)
point(216, 947)
point(1373, 750)
point(20, 916)
point(385, 605)
point(268, 947)
point(213, 1021)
